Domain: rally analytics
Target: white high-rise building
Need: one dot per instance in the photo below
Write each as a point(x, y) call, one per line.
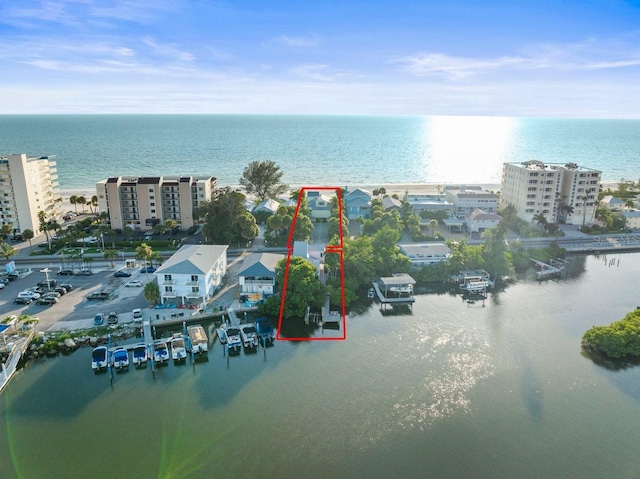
point(28, 186)
point(561, 192)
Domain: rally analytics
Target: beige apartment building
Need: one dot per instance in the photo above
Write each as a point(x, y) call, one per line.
point(141, 203)
point(28, 186)
point(561, 192)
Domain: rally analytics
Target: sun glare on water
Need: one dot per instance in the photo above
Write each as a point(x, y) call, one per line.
point(467, 149)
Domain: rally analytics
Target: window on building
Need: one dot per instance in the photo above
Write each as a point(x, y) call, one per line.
point(195, 289)
point(168, 289)
point(194, 277)
point(167, 277)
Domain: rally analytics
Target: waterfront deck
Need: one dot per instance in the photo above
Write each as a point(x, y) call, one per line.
point(394, 290)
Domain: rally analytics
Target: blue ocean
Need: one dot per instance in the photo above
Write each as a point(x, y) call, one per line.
point(319, 150)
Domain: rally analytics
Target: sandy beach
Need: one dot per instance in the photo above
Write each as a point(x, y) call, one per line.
point(68, 193)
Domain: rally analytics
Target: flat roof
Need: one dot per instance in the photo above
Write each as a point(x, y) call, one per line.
point(396, 280)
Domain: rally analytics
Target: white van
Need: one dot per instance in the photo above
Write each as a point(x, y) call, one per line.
point(137, 314)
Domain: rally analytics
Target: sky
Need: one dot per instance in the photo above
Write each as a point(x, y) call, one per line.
point(527, 58)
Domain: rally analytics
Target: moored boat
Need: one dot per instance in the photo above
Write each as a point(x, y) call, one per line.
point(265, 330)
point(178, 348)
point(198, 338)
point(160, 351)
point(140, 355)
point(234, 343)
point(120, 358)
point(99, 358)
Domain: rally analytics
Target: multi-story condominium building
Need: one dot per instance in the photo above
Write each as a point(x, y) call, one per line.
point(466, 199)
point(561, 192)
point(28, 186)
point(142, 203)
point(192, 274)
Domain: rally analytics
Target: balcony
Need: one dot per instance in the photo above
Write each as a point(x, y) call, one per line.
point(168, 282)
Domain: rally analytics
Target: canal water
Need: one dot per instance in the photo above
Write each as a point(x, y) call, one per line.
point(452, 390)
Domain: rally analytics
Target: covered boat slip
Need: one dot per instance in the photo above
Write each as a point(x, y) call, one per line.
point(397, 289)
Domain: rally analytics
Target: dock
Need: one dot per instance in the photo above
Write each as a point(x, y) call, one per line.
point(395, 290)
point(554, 268)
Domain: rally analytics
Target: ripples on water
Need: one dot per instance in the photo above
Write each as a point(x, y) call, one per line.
point(454, 359)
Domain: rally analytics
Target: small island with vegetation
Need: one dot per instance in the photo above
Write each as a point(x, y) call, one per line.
point(620, 339)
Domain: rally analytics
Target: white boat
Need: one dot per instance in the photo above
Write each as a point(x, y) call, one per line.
point(99, 358)
point(249, 336)
point(120, 358)
point(222, 334)
point(178, 347)
point(233, 339)
point(160, 351)
point(140, 355)
point(198, 337)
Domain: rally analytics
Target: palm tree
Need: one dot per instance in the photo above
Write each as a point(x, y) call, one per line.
point(7, 251)
point(152, 292)
point(74, 201)
point(42, 218)
point(433, 226)
point(110, 254)
point(540, 219)
point(93, 203)
point(82, 201)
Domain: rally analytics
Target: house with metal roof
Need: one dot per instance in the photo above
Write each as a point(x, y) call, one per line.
point(258, 273)
point(192, 275)
point(320, 205)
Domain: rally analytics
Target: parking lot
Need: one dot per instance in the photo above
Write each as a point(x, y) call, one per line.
point(73, 309)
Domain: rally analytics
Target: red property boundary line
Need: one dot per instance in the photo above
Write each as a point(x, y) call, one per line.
point(328, 249)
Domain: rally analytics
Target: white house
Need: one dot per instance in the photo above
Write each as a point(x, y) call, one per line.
point(613, 203)
point(425, 253)
point(258, 273)
point(192, 274)
point(479, 220)
point(633, 219)
point(319, 204)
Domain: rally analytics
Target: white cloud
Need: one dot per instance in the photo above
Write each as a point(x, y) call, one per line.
point(591, 54)
point(168, 50)
point(298, 41)
point(453, 67)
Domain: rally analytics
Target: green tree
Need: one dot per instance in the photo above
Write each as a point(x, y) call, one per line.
point(7, 251)
point(151, 292)
point(433, 226)
point(221, 215)
point(74, 201)
point(42, 218)
point(82, 201)
point(94, 203)
point(28, 235)
point(7, 229)
point(245, 227)
point(110, 254)
point(263, 179)
point(143, 252)
point(303, 289)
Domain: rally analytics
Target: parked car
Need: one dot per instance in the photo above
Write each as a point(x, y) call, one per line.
point(2, 285)
point(60, 289)
point(134, 283)
point(47, 300)
point(67, 286)
point(147, 238)
point(148, 269)
point(112, 318)
point(137, 313)
point(22, 300)
point(52, 283)
point(121, 274)
point(99, 319)
point(65, 272)
point(84, 272)
point(4, 280)
point(29, 294)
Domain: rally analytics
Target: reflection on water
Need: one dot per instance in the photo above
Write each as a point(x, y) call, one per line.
point(403, 394)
